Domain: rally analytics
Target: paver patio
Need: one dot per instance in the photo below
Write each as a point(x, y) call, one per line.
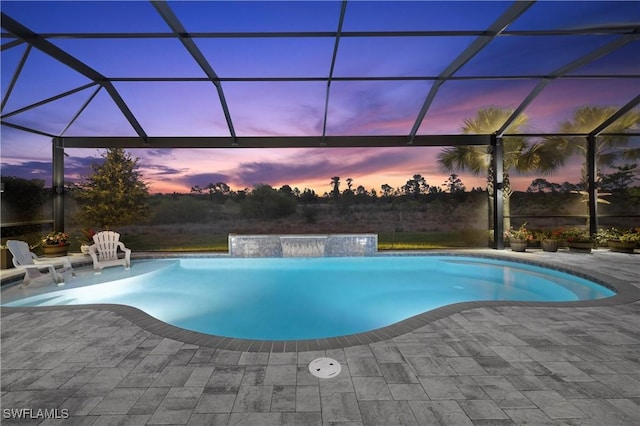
point(557, 365)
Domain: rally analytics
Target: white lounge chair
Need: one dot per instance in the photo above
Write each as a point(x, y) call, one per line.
point(25, 259)
point(104, 251)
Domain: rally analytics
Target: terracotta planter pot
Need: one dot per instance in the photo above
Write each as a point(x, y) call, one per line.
point(621, 247)
point(580, 246)
point(7, 259)
point(518, 245)
point(549, 245)
point(55, 251)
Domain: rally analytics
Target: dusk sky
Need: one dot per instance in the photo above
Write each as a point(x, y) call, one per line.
point(296, 108)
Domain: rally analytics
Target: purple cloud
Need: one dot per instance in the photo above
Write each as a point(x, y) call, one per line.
point(315, 164)
point(29, 170)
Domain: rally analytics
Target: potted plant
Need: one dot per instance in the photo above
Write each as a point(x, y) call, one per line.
point(519, 238)
point(604, 235)
point(86, 240)
point(578, 240)
point(6, 259)
point(55, 244)
point(549, 240)
point(623, 241)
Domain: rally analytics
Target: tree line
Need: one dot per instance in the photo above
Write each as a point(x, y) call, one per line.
point(622, 178)
point(417, 185)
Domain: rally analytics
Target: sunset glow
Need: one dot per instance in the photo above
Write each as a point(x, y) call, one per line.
point(280, 85)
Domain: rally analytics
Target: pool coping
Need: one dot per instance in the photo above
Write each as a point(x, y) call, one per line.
point(626, 293)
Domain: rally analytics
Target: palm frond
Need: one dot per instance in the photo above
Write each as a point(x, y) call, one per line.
point(488, 120)
point(459, 158)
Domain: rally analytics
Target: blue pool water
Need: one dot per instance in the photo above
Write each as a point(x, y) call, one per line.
point(303, 298)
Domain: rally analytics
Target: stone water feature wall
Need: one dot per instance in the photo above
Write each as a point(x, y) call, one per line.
point(299, 245)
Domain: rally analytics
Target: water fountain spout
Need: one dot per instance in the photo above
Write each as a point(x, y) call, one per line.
point(303, 245)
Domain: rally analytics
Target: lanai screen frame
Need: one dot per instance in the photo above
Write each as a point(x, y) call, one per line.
point(22, 34)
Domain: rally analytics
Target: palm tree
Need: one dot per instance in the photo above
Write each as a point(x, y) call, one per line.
point(546, 156)
point(335, 183)
point(477, 159)
point(609, 149)
point(349, 183)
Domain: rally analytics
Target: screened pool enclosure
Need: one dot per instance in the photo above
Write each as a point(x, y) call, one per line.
point(353, 77)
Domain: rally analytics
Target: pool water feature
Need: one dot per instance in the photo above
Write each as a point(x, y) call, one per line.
point(303, 246)
point(310, 298)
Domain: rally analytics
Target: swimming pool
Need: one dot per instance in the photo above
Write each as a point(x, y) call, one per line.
point(310, 298)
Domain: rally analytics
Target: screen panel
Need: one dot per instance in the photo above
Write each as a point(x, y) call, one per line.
point(522, 55)
point(397, 56)
point(268, 57)
point(562, 98)
point(547, 15)
point(276, 108)
point(457, 101)
point(86, 16)
point(250, 16)
point(421, 15)
point(374, 107)
point(42, 77)
point(101, 117)
point(176, 108)
point(148, 57)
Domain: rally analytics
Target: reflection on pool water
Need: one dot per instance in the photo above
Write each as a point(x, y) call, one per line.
point(305, 298)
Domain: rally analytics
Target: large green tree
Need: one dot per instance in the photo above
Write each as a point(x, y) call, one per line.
point(454, 184)
point(114, 194)
point(415, 186)
point(620, 180)
point(477, 159)
point(264, 202)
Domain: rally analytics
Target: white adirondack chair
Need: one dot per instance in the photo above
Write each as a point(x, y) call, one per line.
point(104, 251)
point(33, 266)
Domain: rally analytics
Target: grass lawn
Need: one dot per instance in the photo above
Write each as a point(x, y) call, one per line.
point(428, 240)
point(155, 240)
point(177, 242)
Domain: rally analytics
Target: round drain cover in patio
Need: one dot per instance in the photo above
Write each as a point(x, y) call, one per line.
point(325, 368)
